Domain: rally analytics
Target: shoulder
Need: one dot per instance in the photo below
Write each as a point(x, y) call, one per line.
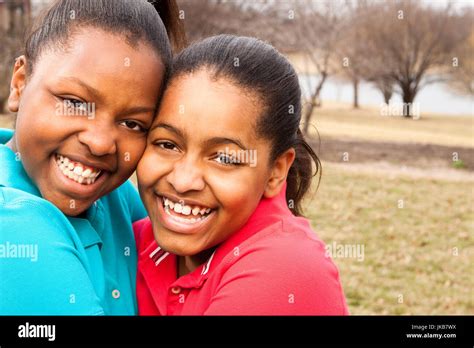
point(5, 135)
point(31, 214)
point(287, 261)
point(43, 264)
point(291, 241)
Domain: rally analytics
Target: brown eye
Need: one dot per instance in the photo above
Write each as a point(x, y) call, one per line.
point(133, 125)
point(167, 145)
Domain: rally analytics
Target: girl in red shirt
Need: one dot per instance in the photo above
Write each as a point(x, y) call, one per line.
point(222, 178)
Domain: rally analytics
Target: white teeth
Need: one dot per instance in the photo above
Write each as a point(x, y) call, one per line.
point(178, 208)
point(186, 210)
point(78, 170)
point(182, 219)
point(75, 171)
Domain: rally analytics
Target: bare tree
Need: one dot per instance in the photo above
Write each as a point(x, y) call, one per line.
point(410, 45)
point(316, 30)
point(352, 50)
point(461, 76)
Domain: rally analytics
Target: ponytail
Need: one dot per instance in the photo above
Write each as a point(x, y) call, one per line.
point(301, 173)
point(169, 14)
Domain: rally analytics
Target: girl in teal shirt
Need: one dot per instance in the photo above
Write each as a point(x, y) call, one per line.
point(85, 93)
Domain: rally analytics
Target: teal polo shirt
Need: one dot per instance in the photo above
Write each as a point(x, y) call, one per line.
point(53, 264)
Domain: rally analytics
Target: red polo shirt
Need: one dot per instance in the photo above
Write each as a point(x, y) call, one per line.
point(274, 265)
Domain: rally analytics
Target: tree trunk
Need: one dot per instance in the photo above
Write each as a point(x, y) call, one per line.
point(2, 105)
point(355, 84)
point(313, 102)
point(387, 95)
point(408, 95)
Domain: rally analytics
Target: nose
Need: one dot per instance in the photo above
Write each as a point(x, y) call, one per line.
point(186, 176)
point(99, 138)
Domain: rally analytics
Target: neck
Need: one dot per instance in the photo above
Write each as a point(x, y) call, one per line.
point(187, 264)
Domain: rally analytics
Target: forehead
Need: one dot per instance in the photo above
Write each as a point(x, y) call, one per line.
point(99, 58)
point(202, 106)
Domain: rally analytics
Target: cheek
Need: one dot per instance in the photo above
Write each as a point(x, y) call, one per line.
point(238, 193)
point(150, 168)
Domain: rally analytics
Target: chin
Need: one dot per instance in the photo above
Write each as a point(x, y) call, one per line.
point(175, 248)
point(66, 209)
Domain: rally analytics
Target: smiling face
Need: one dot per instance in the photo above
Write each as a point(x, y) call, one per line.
point(195, 192)
point(83, 115)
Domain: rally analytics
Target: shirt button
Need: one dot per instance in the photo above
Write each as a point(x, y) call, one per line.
point(176, 290)
point(115, 293)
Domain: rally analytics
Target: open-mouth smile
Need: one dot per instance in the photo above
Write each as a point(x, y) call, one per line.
point(181, 217)
point(77, 171)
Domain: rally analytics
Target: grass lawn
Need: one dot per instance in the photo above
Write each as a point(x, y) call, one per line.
point(341, 121)
point(418, 258)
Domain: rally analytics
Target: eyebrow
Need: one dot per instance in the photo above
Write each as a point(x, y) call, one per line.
point(224, 140)
point(168, 127)
point(90, 89)
point(209, 142)
point(97, 95)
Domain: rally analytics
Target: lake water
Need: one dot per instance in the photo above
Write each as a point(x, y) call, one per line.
point(435, 98)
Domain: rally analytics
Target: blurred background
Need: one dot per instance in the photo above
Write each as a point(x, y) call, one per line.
point(388, 106)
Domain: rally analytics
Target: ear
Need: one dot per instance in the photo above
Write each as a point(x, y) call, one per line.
point(279, 173)
point(17, 84)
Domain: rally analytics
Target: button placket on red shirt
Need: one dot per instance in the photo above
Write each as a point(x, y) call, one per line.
point(180, 289)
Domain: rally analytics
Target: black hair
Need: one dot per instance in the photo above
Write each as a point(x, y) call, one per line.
point(260, 69)
point(138, 20)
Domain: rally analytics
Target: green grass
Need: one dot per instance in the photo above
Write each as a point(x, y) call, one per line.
point(409, 251)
